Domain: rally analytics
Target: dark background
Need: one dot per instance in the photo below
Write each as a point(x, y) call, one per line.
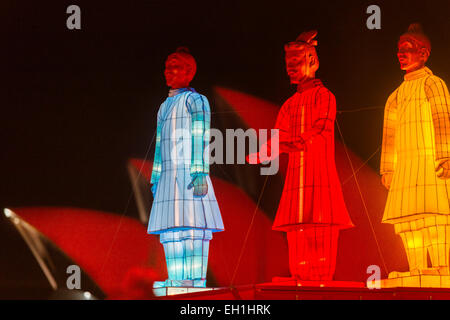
point(76, 104)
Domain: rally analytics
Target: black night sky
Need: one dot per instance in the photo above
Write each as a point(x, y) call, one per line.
point(77, 104)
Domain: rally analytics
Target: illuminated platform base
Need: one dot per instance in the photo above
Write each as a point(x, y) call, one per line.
point(176, 287)
point(417, 281)
point(172, 291)
point(280, 281)
point(273, 291)
point(180, 283)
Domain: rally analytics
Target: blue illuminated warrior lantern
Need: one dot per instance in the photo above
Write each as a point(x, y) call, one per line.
point(185, 212)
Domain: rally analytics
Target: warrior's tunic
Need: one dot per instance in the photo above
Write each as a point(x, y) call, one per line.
point(416, 135)
point(181, 143)
point(312, 191)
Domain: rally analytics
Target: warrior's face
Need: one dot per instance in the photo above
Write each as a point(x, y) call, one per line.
point(300, 65)
point(411, 57)
point(178, 73)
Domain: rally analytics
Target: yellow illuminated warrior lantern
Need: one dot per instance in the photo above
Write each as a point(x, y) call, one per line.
point(415, 166)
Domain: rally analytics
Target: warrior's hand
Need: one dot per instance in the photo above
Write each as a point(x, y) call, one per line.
point(443, 169)
point(253, 158)
point(261, 156)
point(200, 185)
point(292, 146)
point(258, 158)
point(386, 179)
point(153, 188)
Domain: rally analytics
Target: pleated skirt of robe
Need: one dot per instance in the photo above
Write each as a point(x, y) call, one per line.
point(312, 192)
point(175, 206)
point(416, 190)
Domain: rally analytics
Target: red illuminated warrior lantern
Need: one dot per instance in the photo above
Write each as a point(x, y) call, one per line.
point(312, 210)
point(415, 166)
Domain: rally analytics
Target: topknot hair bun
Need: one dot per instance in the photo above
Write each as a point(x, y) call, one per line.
point(183, 50)
point(415, 28)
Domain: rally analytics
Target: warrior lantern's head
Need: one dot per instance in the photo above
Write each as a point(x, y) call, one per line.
point(301, 57)
point(414, 48)
point(180, 68)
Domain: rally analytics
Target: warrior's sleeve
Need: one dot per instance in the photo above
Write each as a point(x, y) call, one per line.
point(198, 107)
point(388, 153)
point(156, 172)
point(282, 122)
point(326, 106)
point(283, 125)
point(439, 98)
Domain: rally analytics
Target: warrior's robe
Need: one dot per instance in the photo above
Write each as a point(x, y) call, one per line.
point(181, 142)
point(312, 192)
point(416, 135)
